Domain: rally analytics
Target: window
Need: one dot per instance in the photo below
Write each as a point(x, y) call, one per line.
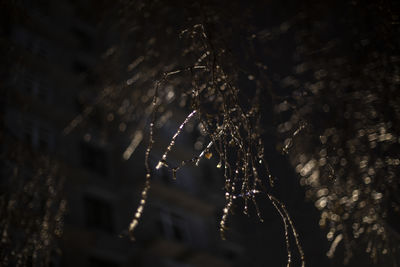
point(31, 85)
point(96, 262)
point(37, 47)
point(84, 39)
point(28, 84)
point(173, 226)
point(164, 176)
point(98, 213)
point(37, 135)
point(31, 42)
point(94, 158)
point(79, 67)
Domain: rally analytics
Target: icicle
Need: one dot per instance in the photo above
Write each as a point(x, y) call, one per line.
point(172, 143)
point(140, 208)
point(224, 218)
point(280, 207)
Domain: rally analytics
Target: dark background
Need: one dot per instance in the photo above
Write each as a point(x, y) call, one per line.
point(76, 86)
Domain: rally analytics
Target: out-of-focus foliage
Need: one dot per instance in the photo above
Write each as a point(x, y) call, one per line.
point(31, 207)
point(345, 107)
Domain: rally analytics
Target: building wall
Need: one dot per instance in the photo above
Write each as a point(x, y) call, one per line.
point(56, 50)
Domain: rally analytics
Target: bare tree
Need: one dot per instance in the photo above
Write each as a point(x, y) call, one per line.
point(320, 77)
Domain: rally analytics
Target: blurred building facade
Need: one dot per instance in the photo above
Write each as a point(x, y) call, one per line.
point(55, 49)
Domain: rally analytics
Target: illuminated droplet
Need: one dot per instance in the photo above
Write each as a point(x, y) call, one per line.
point(208, 155)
